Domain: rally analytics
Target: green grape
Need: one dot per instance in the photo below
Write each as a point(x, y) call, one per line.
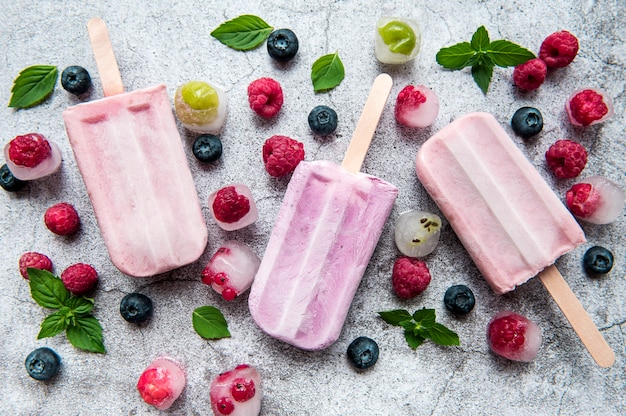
point(200, 95)
point(399, 37)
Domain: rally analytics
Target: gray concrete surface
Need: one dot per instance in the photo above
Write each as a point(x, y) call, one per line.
point(168, 42)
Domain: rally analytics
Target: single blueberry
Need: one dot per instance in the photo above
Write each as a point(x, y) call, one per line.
point(323, 120)
point(527, 122)
point(282, 45)
point(136, 308)
point(75, 79)
point(42, 363)
point(207, 148)
point(9, 182)
point(459, 299)
point(363, 352)
point(598, 260)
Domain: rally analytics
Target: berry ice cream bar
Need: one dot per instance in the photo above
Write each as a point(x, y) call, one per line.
point(505, 214)
point(129, 153)
point(327, 229)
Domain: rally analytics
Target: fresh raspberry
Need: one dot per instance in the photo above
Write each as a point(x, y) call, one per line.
point(582, 200)
point(566, 158)
point(154, 385)
point(559, 49)
point(29, 150)
point(230, 206)
point(587, 106)
point(243, 389)
point(265, 97)
point(62, 219)
point(79, 278)
point(281, 155)
point(530, 75)
point(410, 277)
point(34, 260)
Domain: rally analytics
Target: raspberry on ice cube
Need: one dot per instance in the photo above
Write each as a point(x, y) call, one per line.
point(416, 106)
point(588, 106)
point(237, 392)
point(161, 383)
point(231, 270)
point(514, 336)
point(31, 156)
point(233, 207)
point(596, 200)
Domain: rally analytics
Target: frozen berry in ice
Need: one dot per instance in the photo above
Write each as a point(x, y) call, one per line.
point(596, 199)
point(514, 336)
point(233, 207)
point(417, 233)
point(201, 106)
point(161, 383)
point(231, 269)
point(416, 106)
point(588, 106)
point(31, 156)
point(236, 392)
point(398, 40)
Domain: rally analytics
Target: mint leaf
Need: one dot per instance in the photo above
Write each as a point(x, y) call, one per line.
point(424, 318)
point(482, 74)
point(480, 39)
point(33, 85)
point(243, 33)
point(47, 289)
point(86, 334)
point(210, 323)
point(455, 57)
point(79, 305)
point(443, 336)
point(54, 324)
point(505, 53)
point(413, 340)
point(327, 72)
point(396, 317)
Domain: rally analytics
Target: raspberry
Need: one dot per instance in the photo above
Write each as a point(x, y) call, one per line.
point(230, 206)
point(410, 277)
point(587, 106)
point(154, 386)
point(62, 219)
point(281, 155)
point(265, 97)
point(530, 75)
point(34, 260)
point(29, 150)
point(566, 159)
point(79, 278)
point(559, 49)
point(514, 336)
point(582, 200)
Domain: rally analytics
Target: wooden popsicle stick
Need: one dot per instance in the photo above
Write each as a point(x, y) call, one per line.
point(365, 128)
point(577, 316)
point(105, 58)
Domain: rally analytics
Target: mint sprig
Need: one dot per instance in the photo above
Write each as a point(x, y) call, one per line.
point(482, 55)
point(327, 72)
point(73, 313)
point(209, 323)
point(243, 33)
point(33, 85)
point(419, 326)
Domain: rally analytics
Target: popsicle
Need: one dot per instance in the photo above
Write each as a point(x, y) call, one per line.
point(129, 153)
point(507, 217)
point(326, 231)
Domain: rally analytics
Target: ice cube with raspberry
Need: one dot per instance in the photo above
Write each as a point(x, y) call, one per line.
point(32, 156)
point(233, 207)
point(161, 383)
point(416, 106)
point(513, 336)
point(588, 106)
point(596, 200)
point(237, 392)
point(231, 269)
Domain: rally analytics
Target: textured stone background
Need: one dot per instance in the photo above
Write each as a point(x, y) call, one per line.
point(168, 42)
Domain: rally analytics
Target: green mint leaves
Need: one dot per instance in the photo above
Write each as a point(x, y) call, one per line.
point(327, 72)
point(210, 323)
point(420, 326)
point(482, 55)
point(73, 313)
point(243, 33)
point(33, 85)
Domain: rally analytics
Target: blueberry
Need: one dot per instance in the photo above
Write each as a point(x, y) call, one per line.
point(9, 182)
point(75, 79)
point(363, 352)
point(207, 148)
point(136, 308)
point(598, 260)
point(42, 364)
point(323, 120)
point(282, 45)
point(527, 122)
point(459, 299)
